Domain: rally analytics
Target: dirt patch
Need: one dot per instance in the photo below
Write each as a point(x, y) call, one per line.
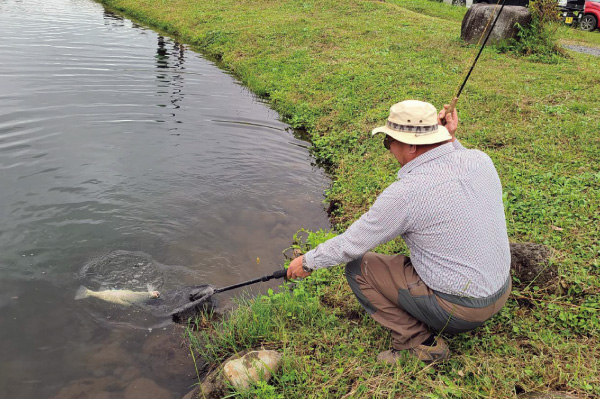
point(530, 264)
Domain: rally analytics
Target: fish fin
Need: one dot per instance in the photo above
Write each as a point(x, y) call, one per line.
point(82, 292)
point(150, 287)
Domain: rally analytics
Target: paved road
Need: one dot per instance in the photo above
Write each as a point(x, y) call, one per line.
point(584, 49)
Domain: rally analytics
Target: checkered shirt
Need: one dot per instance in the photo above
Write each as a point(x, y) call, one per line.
point(447, 206)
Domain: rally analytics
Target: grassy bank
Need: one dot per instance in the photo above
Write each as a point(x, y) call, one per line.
point(334, 69)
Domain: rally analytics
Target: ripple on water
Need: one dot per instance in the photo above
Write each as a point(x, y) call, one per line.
point(122, 270)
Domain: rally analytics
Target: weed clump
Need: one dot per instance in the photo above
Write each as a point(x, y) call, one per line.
point(538, 40)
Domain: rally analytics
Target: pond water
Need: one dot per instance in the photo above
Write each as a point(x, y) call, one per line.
point(125, 160)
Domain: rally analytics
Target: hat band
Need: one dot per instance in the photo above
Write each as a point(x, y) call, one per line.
point(417, 130)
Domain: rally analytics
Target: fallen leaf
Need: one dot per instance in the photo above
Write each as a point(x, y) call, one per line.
point(557, 228)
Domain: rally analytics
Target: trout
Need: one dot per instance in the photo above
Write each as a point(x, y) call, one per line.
point(120, 297)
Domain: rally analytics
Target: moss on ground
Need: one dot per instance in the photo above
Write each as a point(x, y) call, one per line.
point(334, 68)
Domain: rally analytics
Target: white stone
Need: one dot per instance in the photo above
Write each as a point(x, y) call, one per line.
point(251, 368)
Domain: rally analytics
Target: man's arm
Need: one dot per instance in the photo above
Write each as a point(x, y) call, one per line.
point(385, 220)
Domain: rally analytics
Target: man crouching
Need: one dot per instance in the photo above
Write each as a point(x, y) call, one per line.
point(447, 206)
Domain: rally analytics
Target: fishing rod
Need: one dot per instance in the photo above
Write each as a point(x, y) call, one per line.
point(201, 295)
point(278, 274)
point(455, 99)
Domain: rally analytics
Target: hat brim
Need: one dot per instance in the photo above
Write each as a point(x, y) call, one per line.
point(438, 136)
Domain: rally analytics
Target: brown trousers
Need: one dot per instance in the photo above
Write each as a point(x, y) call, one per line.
point(391, 291)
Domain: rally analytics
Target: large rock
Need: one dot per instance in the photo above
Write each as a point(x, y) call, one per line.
point(476, 20)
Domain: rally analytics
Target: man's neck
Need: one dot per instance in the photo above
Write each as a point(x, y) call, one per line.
point(422, 149)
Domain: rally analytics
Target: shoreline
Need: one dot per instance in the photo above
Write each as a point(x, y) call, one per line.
point(334, 70)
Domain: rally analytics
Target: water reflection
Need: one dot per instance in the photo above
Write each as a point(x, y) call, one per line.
point(112, 19)
point(170, 59)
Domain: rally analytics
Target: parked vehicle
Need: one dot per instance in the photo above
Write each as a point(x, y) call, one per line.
point(571, 10)
point(585, 13)
point(522, 3)
point(590, 19)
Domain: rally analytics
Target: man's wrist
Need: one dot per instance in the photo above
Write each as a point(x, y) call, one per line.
point(305, 265)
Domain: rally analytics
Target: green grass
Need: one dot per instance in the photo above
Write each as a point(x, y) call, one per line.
point(334, 69)
point(433, 8)
point(577, 36)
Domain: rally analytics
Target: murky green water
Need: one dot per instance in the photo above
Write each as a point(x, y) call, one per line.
point(119, 149)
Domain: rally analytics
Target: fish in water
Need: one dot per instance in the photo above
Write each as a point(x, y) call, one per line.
point(120, 297)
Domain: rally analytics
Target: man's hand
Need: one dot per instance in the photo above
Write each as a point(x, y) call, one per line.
point(295, 270)
point(450, 121)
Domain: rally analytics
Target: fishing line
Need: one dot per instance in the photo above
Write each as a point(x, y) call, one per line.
point(489, 32)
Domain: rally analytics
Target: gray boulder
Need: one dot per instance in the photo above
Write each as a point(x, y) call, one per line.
point(476, 20)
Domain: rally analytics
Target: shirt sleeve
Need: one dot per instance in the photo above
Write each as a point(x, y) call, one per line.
point(385, 220)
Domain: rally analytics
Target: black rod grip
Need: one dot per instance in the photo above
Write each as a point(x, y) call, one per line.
point(280, 273)
point(277, 274)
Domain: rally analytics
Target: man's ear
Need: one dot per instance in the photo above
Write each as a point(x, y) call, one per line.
point(412, 149)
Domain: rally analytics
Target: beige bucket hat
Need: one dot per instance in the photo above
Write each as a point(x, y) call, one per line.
point(414, 122)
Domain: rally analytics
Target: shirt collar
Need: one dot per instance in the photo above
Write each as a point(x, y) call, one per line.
point(426, 157)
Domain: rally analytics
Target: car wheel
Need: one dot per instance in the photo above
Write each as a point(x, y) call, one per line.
point(588, 23)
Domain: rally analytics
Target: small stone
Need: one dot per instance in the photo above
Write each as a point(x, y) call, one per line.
point(88, 388)
point(144, 388)
point(251, 368)
point(130, 373)
point(111, 354)
point(99, 372)
point(191, 394)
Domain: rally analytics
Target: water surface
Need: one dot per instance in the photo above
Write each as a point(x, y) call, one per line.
point(121, 147)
